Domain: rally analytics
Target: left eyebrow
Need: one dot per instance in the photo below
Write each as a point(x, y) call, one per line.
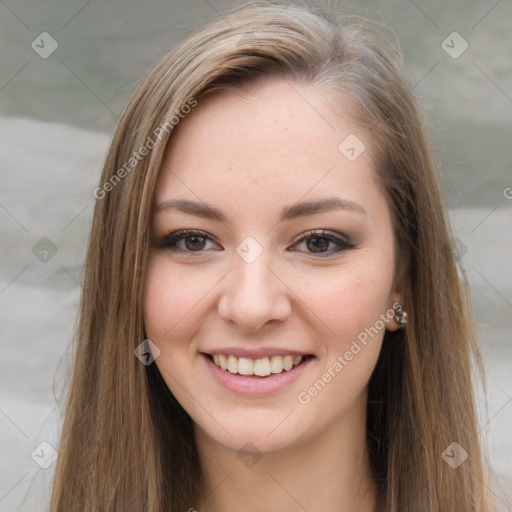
point(288, 213)
point(323, 205)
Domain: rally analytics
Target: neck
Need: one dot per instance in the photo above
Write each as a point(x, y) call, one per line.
point(330, 472)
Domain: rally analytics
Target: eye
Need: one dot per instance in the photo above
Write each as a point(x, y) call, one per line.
point(318, 242)
point(186, 240)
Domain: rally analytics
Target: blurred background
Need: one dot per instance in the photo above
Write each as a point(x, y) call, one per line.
point(66, 71)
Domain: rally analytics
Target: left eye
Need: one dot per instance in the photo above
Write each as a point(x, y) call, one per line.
point(318, 242)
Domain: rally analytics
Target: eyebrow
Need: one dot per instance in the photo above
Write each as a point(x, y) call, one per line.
point(201, 209)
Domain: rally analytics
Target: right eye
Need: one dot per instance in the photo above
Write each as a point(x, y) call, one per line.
point(186, 240)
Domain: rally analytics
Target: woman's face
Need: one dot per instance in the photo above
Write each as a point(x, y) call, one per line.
point(288, 272)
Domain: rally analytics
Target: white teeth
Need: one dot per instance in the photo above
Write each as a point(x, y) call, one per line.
point(262, 367)
point(232, 364)
point(288, 362)
point(276, 364)
point(245, 366)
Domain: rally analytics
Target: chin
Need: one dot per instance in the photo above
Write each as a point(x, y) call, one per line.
point(250, 431)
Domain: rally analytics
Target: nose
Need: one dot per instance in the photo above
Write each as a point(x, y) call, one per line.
point(253, 295)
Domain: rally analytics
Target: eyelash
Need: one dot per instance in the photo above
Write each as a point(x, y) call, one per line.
point(171, 240)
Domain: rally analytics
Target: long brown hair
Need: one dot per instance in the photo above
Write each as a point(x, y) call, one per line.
point(126, 443)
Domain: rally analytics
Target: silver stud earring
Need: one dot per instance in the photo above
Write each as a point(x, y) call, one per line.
point(401, 316)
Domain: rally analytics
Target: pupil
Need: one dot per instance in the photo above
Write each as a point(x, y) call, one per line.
point(194, 245)
point(322, 245)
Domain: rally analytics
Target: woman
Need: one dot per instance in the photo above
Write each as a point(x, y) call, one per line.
point(271, 316)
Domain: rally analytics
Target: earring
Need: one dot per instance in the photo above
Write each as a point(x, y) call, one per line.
point(401, 316)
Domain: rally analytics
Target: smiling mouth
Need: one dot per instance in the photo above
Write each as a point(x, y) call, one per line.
point(261, 367)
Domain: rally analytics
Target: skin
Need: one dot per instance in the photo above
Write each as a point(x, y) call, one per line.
point(251, 153)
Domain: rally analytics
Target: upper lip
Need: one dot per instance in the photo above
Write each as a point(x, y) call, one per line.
point(256, 353)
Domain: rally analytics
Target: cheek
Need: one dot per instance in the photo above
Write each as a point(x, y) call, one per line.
point(172, 300)
point(347, 301)
point(347, 308)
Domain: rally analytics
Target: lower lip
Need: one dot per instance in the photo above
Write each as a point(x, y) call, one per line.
point(256, 386)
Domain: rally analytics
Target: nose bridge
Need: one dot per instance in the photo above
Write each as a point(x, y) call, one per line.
point(253, 294)
point(251, 264)
point(253, 276)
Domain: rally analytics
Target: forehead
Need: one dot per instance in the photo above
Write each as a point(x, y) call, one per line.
point(274, 143)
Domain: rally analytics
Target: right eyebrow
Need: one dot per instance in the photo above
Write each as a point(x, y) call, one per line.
point(192, 208)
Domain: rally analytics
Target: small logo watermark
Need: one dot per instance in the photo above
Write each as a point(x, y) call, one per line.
point(44, 455)
point(351, 147)
point(147, 352)
point(454, 455)
point(249, 249)
point(44, 250)
point(249, 455)
point(44, 45)
point(454, 45)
